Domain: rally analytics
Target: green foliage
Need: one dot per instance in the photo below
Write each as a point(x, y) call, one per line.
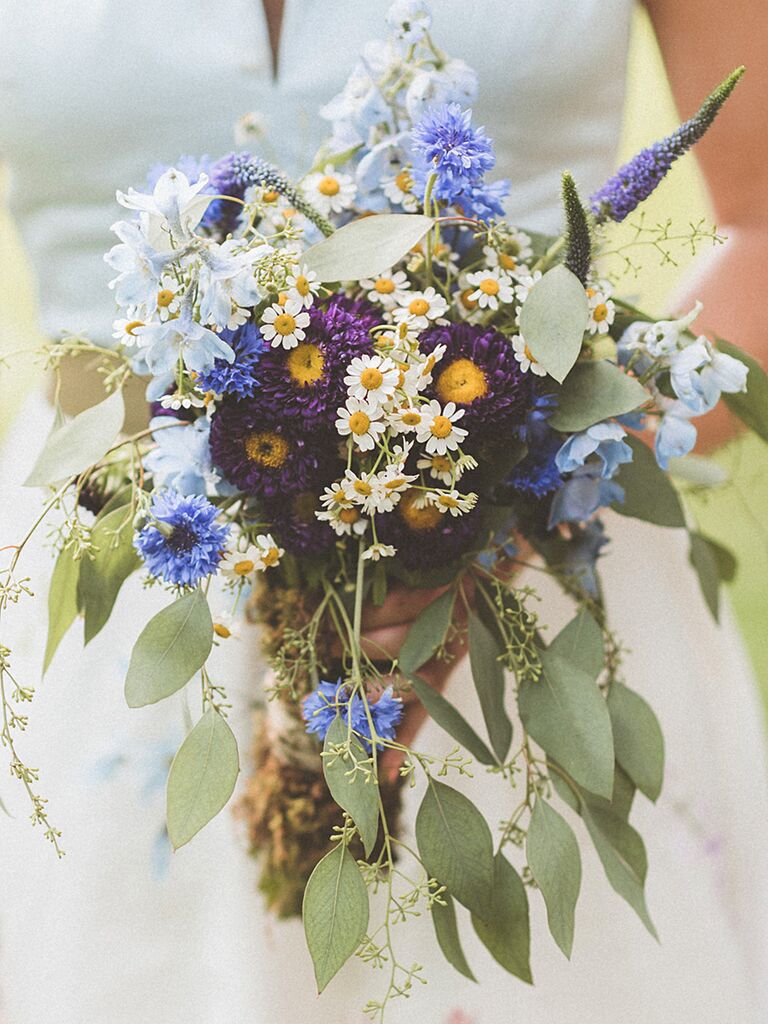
point(553, 857)
point(595, 390)
point(427, 633)
point(456, 847)
point(354, 789)
point(648, 493)
point(751, 406)
point(714, 565)
point(578, 258)
point(366, 247)
point(553, 319)
point(80, 443)
point(448, 718)
point(637, 739)
point(335, 913)
point(488, 675)
point(102, 576)
point(170, 649)
point(62, 600)
point(506, 932)
point(580, 642)
point(447, 932)
point(202, 777)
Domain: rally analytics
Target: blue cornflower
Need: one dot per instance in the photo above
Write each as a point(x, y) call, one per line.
point(181, 543)
point(582, 494)
point(238, 377)
point(331, 699)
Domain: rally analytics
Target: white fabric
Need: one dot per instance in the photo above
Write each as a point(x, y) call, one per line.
point(91, 91)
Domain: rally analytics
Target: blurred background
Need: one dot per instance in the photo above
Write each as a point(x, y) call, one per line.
point(733, 514)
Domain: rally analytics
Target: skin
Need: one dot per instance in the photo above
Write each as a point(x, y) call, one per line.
point(701, 41)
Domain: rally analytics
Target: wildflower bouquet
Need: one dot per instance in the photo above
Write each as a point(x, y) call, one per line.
point(366, 384)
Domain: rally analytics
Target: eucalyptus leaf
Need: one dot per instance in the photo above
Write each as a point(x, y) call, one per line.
point(427, 633)
point(354, 791)
point(751, 406)
point(170, 649)
point(448, 718)
point(62, 600)
point(648, 492)
point(565, 713)
point(456, 846)
point(80, 443)
point(594, 391)
point(714, 565)
point(506, 932)
point(637, 739)
point(102, 575)
point(447, 932)
point(580, 643)
point(335, 913)
point(555, 862)
point(202, 777)
point(553, 320)
point(366, 247)
point(488, 677)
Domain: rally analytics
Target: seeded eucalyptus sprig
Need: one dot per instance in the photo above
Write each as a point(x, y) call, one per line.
point(578, 257)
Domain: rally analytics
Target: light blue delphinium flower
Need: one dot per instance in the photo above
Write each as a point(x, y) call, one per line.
point(182, 458)
point(181, 543)
point(676, 435)
point(331, 699)
point(409, 20)
point(604, 440)
point(582, 494)
point(199, 347)
point(454, 82)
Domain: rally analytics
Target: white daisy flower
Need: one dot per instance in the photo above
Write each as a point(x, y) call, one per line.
point(524, 284)
point(284, 325)
point(188, 400)
point(398, 191)
point(238, 317)
point(302, 287)
point(405, 420)
point(240, 565)
point(422, 307)
point(440, 467)
point(268, 552)
point(515, 250)
point(372, 378)
point(525, 357)
point(168, 297)
point(393, 481)
point(335, 496)
point(377, 551)
point(345, 520)
point(124, 331)
point(225, 626)
point(601, 312)
point(438, 430)
point(452, 501)
point(427, 365)
point(329, 191)
point(387, 289)
point(491, 287)
point(361, 420)
point(363, 489)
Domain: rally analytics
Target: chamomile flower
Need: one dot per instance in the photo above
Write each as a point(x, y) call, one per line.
point(525, 357)
point(345, 520)
point(363, 489)
point(124, 331)
point(225, 627)
point(241, 565)
point(302, 287)
point(524, 284)
point(419, 308)
point(268, 552)
point(399, 191)
point(360, 420)
point(187, 400)
point(451, 501)
point(405, 420)
point(440, 467)
point(393, 481)
point(372, 378)
point(424, 367)
point(329, 191)
point(601, 312)
point(438, 431)
point(514, 251)
point(491, 287)
point(336, 496)
point(284, 325)
point(168, 297)
point(378, 551)
point(387, 289)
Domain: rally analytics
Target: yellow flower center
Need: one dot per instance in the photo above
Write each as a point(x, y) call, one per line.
point(328, 185)
point(306, 364)
point(302, 285)
point(394, 484)
point(507, 261)
point(270, 557)
point(371, 378)
point(244, 567)
point(339, 497)
point(359, 423)
point(426, 518)
point(441, 464)
point(362, 487)
point(270, 196)
point(489, 286)
point(465, 299)
point(600, 312)
point(412, 418)
point(349, 516)
point(419, 307)
point(447, 501)
point(404, 181)
point(221, 630)
point(285, 324)
point(462, 382)
point(289, 212)
point(130, 328)
point(440, 426)
point(384, 286)
point(165, 297)
point(591, 293)
point(282, 298)
point(267, 449)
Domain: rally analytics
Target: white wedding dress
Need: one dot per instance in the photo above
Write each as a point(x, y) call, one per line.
point(91, 91)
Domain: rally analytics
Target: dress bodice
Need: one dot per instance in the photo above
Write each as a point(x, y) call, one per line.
point(94, 91)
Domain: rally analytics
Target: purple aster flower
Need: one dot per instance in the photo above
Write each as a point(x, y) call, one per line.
point(331, 699)
point(306, 383)
point(480, 374)
point(238, 377)
point(297, 527)
point(181, 543)
point(426, 538)
point(263, 454)
point(636, 180)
